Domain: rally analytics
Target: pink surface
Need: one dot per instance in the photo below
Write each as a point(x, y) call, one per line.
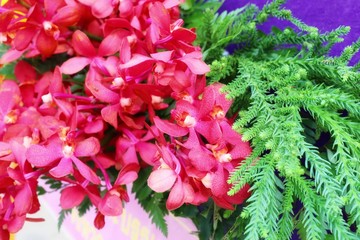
point(133, 224)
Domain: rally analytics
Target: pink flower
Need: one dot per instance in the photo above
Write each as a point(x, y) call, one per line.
point(68, 152)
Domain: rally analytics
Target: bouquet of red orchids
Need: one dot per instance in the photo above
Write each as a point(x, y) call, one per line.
point(102, 89)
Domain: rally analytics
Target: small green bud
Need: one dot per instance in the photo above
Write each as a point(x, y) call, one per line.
point(263, 17)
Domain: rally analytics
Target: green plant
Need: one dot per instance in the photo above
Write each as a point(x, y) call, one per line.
point(300, 110)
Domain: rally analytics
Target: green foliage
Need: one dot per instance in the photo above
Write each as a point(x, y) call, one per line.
point(62, 215)
point(152, 202)
point(300, 110)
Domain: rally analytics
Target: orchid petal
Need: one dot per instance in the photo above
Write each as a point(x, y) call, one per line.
point(171, 129)
point(74, 65)
point(110, 114)
point(41, 156)
point(71, 197)
point(86, 171)
point(23, 201)
point(176, 197)
point(23, 38)
point(82, 44)
point(63, 169)
point(87, 147)
point(109, 45)
point(110, 205)
point(102, 8)
point(162, 180)
point(202, 160)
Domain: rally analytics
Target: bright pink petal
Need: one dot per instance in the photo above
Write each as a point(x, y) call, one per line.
point(171, 3)
point(23, 201)
point(110, 205)
point(171, 129)
point(110, 45)
point(100, 91)
point(87, 147)
point(110, 114)
point(160, 17)
point(219, 185)
point(86, 171)
point(71, 197)
point(128, 174)
point(6, 152)
point(23, 38)
point(10, 56)
point(16, 223)
point(165, 56)
point(102, 8)
point(147, 151)
point(82, 44)
point(67, 16)
point(87, 2)
point(161, 180)
point(74, 65)
point(195, 63)
point(51, 6)
point(201, 160)
point(7, 102)
point(125, 8)
point(41, 156)
point(189, 193)
point(56, 84)
point(138, 65)
point(95, 126)
point(207, 102)
point(63, 169)
point(210, 130)
point(176, 197)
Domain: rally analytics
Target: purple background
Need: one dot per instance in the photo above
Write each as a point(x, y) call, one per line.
point(324, 14)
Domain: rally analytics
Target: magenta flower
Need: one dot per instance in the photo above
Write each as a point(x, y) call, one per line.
point(68, 152)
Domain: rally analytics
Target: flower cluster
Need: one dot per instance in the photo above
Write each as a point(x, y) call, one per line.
point(106, 107)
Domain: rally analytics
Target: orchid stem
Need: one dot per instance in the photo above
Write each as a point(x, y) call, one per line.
point(106, 176)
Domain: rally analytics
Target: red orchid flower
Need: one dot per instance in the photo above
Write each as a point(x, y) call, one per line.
point(88, 53)
point(46, 25)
